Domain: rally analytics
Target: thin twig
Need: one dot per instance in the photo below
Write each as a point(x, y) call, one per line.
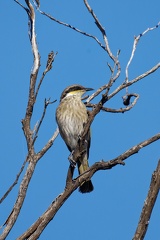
point(124, 85)
point(95, 94)
point(49, 144)
point(46, 103)
point(136, 40)
point(101, 28)
point(106, 47)
point(26, 9)
point(15, 182)
point(105, 38)
point(51, 57)
point(72, 27)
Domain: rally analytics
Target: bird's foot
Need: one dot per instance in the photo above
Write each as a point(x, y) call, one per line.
point(71, 160)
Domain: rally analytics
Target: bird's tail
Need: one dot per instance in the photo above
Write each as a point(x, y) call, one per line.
point(82, 167)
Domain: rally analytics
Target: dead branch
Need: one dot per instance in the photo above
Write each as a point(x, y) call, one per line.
point(51, 57)
point(122, 86)
point(121, 110)
point(26, 125)
point(136, 40)
point(115, 59)
point(47, 146)
point(148, 205)
point(71, 185)
point(46, 103)
point(73, 28)
point(19, 202)
point(107, 48)
point(37, 228)
point(129, 83)
point(101, 28)
point(14, 183)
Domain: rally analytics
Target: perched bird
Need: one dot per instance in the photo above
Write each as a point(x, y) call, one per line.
point(71, 116)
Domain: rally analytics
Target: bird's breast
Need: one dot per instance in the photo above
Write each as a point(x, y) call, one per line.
point(71, 118)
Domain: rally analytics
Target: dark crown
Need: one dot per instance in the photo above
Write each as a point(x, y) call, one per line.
point(72, 88)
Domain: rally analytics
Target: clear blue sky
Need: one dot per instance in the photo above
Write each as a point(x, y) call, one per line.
point(112, 210)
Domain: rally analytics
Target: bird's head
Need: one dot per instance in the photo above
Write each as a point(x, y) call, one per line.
point(74, 90)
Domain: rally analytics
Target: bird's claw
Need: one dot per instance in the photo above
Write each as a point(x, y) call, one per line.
point(71, 160)
point(73, 163)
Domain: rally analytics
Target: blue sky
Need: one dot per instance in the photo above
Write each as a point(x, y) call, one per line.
point(112, 210)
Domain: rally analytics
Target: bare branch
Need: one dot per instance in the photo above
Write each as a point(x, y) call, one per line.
point(19, 202)
point(106, 47)
point(121, 110)
point(101, 28)
point(31, 15)
point(51, 57)
point(72, 27)
point(48, 145)
point(36, 3)
point(99, 25)
point(95, 94)
point(124, 85)
point(148, 205)
point(26, 125)
point(105, 97)
point(71, 184)
point(106, 86)
point(26, 9)
point(33, 78)
point(97, 22)
point(136, 40)
point(14, 183)
point(46, 103)
point(37, 228)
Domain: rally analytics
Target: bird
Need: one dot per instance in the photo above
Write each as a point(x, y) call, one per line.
point(71, 117)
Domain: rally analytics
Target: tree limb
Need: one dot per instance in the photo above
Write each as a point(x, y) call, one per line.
point(148, 205)
point(37, 228)
point(26, 125)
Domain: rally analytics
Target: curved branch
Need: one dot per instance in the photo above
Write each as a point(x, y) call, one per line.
point(72, 27)
point(120, 110)
point(136, 40)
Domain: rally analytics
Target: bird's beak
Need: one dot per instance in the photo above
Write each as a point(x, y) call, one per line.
point(89, 89)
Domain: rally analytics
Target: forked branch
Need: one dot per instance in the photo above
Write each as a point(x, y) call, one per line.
point(37, 228)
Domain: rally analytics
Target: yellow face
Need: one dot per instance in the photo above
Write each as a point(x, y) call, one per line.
point(76, 92)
